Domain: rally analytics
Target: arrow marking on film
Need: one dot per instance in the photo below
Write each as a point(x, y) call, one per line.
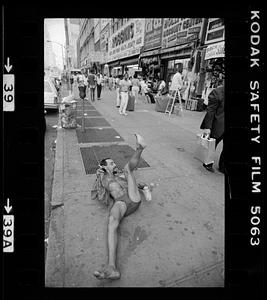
point(8, 67)
point(8, 208)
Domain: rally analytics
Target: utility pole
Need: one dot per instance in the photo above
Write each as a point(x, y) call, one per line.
point(67, 49)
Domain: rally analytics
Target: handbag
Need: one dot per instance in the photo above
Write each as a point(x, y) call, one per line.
point(205, 149)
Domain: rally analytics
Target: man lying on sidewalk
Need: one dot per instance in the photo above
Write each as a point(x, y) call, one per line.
point(126, 197)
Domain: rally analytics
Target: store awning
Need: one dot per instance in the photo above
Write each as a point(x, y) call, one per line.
point(114, 64)
point(178, 51)
point(177, 48)
point(215, 51)
point(150, 53)
point(131, 61)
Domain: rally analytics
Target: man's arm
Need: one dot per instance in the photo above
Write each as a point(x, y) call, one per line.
point(211, 110)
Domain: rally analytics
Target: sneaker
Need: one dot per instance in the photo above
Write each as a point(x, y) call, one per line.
point(125, 114)
point(120, 113)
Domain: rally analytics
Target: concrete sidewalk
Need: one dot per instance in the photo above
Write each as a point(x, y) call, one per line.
point(177, 239)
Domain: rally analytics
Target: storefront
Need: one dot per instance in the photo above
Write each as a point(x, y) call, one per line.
point(150, 64)
point(149, 59)
point(213, 58)
point(171, 59)
point(114, 68)
point(129, 65)
point(180, 37)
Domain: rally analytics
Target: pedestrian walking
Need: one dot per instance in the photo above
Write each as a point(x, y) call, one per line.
point(110, 82)
point(99, 82)
point(118, 98)
point(213, 122)
point(127, 196)
point(71, 83)
point(114, 82)
point(81, 79)
point(125, 85)
point(92, 84)
point(135, 87)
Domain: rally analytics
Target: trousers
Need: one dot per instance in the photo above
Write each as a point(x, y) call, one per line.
point(124, 102)
point(118, 100)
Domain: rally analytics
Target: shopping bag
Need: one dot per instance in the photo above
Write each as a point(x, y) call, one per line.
point(205, 149)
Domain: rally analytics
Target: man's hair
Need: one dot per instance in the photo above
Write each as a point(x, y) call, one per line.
point(104, 161)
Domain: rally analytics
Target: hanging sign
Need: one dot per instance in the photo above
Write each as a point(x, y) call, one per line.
point(215, 51)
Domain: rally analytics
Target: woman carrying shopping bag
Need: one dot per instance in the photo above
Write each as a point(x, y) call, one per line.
point(213, 123)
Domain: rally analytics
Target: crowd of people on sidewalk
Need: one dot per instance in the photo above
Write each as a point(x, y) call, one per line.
point(128, 88)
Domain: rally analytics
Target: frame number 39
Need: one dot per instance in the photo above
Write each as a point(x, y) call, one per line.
point(8, 92)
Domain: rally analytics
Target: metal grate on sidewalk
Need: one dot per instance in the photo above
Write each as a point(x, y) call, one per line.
point(93, 122)
point(97, 135)
point(121, 154)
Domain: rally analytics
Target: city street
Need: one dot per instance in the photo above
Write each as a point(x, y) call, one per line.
point(177, 239)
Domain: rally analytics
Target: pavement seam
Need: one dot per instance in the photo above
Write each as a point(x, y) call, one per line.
point(202, 270)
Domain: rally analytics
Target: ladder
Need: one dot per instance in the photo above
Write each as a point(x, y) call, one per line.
point(170, 105)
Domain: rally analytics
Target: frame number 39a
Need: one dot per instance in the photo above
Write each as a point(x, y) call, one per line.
point(8, 92)
point(8, 233)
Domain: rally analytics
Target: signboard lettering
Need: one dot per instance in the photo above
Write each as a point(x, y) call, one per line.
point(177, 31)
point(127, 41)
point(153, 30)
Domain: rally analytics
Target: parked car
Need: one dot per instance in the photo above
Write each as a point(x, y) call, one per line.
point(50, 94)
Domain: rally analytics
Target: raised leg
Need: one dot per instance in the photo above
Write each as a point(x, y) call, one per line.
point(116, 214)
point(133, 191)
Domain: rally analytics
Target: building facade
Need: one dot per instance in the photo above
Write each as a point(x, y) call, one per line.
point(156, 46)
point(49, 56)
point(73, 28)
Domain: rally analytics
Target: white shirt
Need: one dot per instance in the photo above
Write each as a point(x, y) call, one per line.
point(99, 79)
point(144, 87)
point(162, 85)
point(177, 82)
point(124, 85)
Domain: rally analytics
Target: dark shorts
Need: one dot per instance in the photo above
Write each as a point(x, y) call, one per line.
point(131, 206)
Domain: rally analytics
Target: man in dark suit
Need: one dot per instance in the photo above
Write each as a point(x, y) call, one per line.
point(213, 122)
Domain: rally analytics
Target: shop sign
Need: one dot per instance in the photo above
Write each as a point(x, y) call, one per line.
point(178, 31)
point(153, 30)
point(215, 51)
point(104, 35)
point(215, 31)
point(127, 41)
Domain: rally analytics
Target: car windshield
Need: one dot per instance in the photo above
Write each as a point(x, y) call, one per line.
point(47, 87)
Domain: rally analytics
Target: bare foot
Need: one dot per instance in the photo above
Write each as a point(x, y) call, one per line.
point(140, 141)
point(108, 273)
